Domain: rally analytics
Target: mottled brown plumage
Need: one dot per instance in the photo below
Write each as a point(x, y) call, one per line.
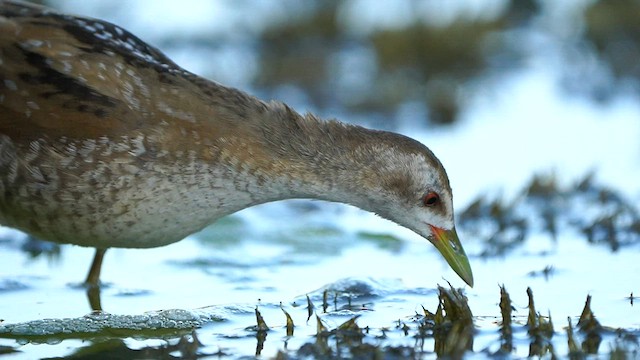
point(105, 142)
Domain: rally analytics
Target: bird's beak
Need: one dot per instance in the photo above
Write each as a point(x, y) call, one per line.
point(447, 242)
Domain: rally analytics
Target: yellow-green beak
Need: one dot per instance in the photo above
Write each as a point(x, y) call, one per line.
point(447, 242)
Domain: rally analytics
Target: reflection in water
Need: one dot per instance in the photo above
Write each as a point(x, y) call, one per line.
point(540, 330)
point(506, 333)
point(453, 326)
point(261, 330)
point(591, 328)
point(261, 337)
point(185, 347)
point(450, 328)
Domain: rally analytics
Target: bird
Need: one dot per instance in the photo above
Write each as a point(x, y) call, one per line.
point(105, 142)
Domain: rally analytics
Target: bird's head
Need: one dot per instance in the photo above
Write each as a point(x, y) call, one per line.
point(411, 188)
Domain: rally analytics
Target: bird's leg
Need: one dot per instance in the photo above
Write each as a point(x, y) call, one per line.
point(93, 295)
point(93, 279)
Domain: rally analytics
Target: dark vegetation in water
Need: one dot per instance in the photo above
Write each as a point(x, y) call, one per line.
point(601, 214)
point(447, 332)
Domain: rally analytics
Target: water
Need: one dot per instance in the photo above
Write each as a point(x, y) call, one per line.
point(272, 256)
point(384, 279)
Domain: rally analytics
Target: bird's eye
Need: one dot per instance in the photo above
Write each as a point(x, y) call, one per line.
point(431, 199)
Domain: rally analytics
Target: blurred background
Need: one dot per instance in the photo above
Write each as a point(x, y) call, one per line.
point(430, 55)
point(390, 62)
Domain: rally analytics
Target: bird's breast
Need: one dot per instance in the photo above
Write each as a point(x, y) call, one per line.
point(118, 192)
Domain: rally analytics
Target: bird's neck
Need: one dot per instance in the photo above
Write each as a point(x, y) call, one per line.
point(278, 154)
